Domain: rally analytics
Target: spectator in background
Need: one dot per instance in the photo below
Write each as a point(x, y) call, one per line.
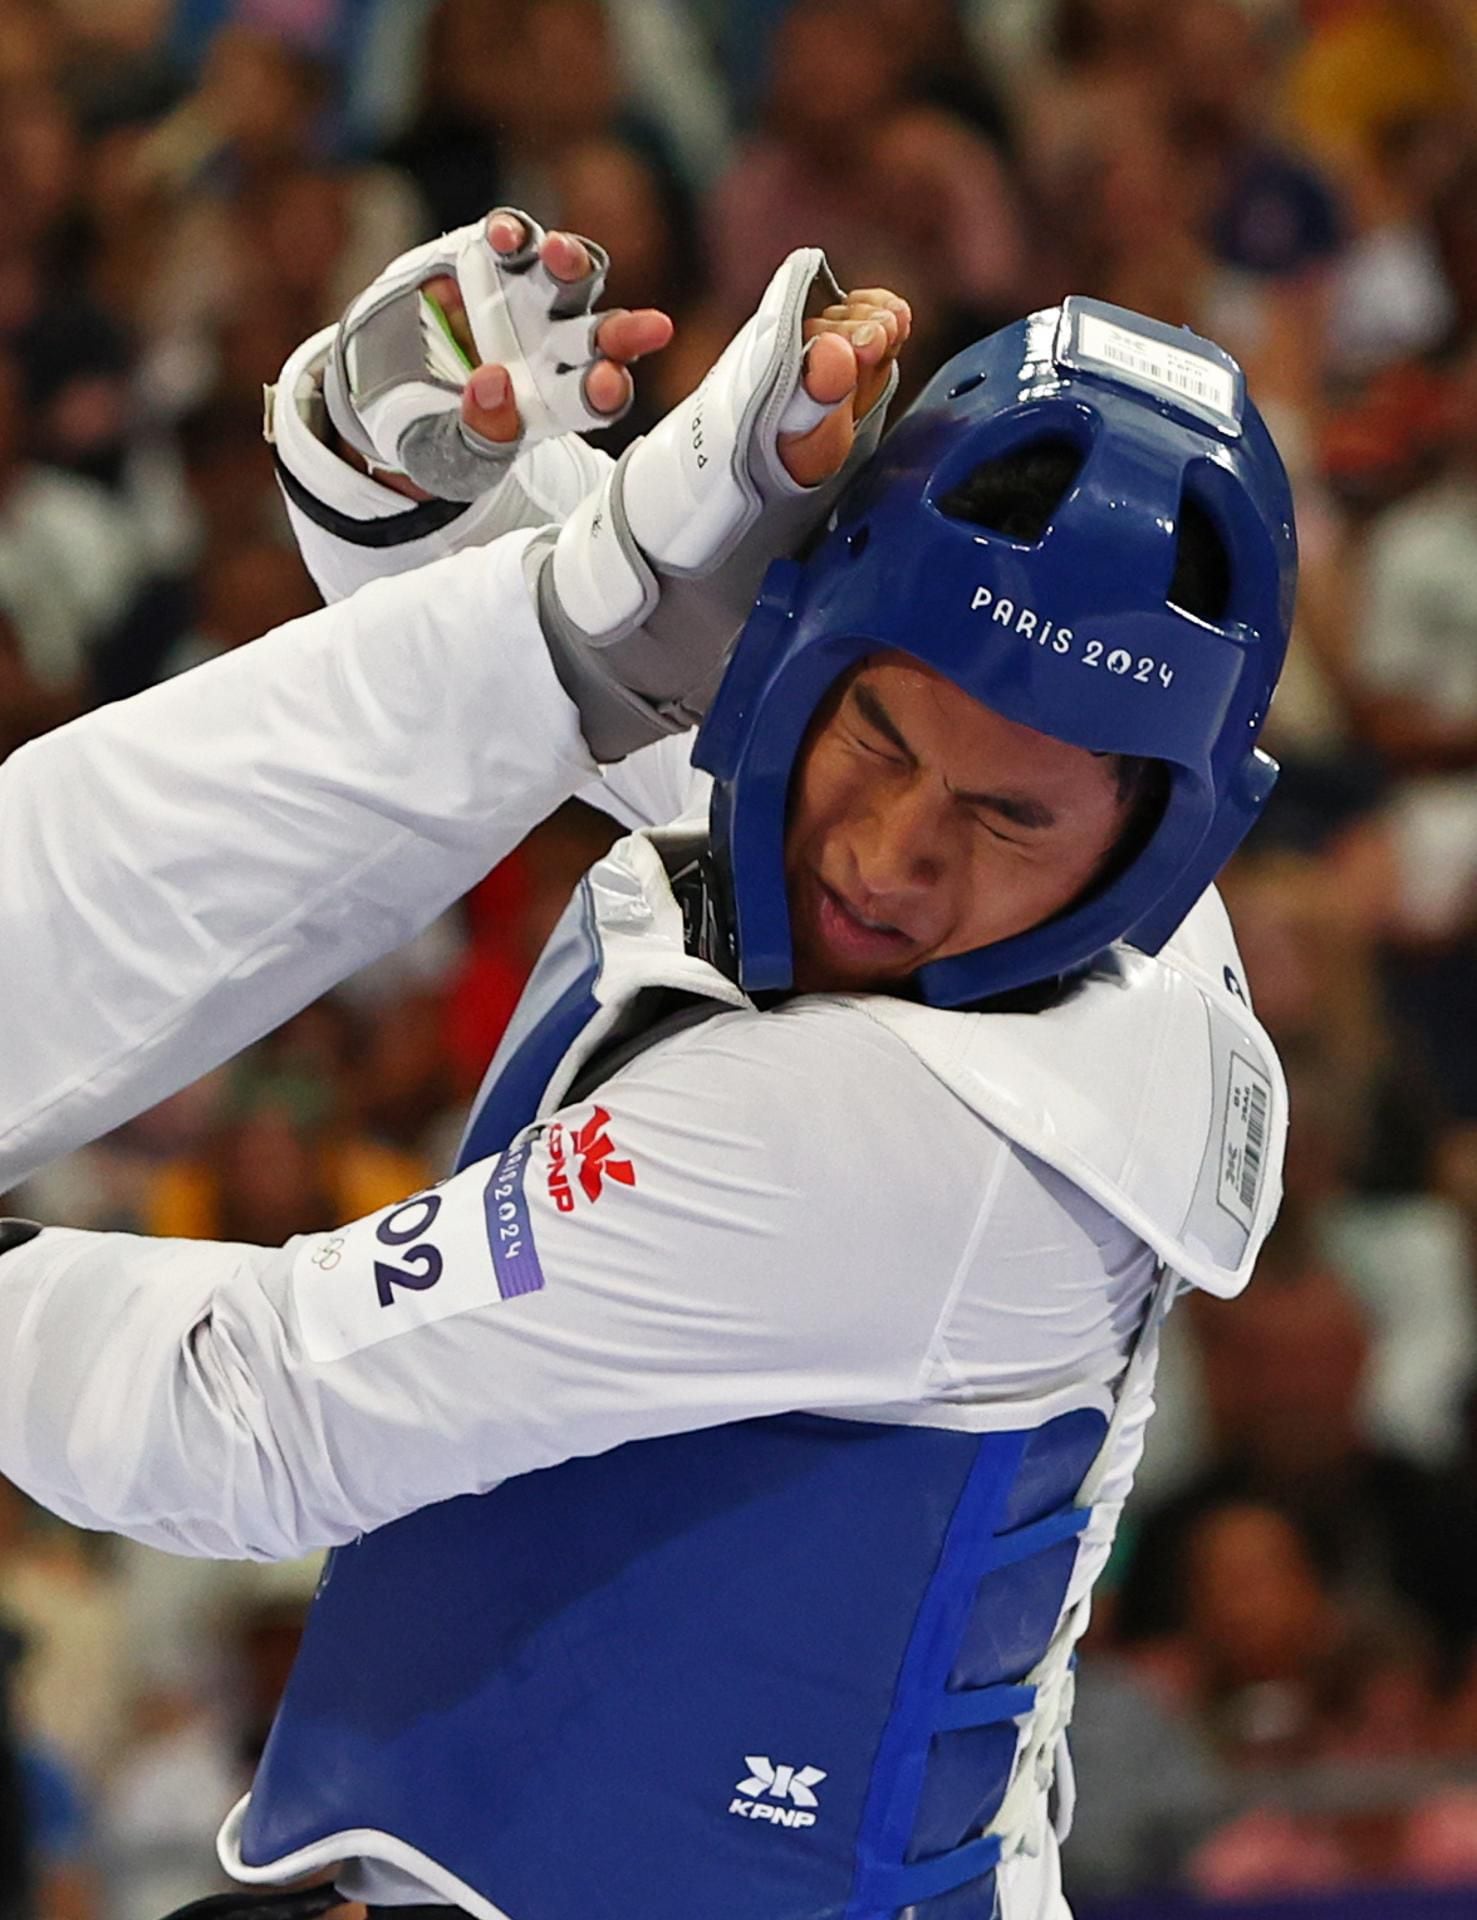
point(1283, 1375)
point(284, 1159)
point(1132, 219)
point(1414, 676)
point(254, 231)
point(1359, 1161)
point(1391, 299)
point(453, 147)
point(199, 1729)
point(1288, 1677)
point(511, 89)
point(27, 705)
point(1200, 214)
point(246, 588)
point(1096, 75)
point(1285, 1676)
point(1273, 224)
point(1258, 1620)
point(69, 569)
point(15, 1837)
point(943, 67)
point(1272, 214)
point(1415, 667)
point(1273, 1677)
point(75, 1681)
point(510, 916)
point(1369, 65)
point(833, 78)
point(902, 191)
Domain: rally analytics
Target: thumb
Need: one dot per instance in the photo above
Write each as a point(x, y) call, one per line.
point(830, 375)
point(488, 406)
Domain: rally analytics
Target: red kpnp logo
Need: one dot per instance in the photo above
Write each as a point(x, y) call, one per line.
point(592, 1152)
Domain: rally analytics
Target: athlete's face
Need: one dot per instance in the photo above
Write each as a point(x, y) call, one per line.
point(922, 825)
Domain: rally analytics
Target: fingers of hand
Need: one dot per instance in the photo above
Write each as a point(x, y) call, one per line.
point(627, 336)
point(622, 338)
point(506, 233)
point(876, 332)
point(861, 299)
point(565, 257)
point(811, 457)
point(446, 292)
point(488, 406)
point(608, 386)
point(876, 322)
point(831, 368)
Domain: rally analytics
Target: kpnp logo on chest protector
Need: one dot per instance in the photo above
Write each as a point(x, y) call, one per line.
point(586, 1156)
point(763, 1793)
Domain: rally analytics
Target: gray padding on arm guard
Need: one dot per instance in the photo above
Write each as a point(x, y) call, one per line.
point(659, 676)
point(439, 451)
point(442, 454)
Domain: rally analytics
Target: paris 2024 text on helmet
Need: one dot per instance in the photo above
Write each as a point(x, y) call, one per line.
point(1081, 628)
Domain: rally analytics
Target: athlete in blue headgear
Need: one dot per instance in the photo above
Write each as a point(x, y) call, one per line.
point(720, 1461)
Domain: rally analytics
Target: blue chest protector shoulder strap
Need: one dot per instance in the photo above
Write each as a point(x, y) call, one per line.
point(786, 1669)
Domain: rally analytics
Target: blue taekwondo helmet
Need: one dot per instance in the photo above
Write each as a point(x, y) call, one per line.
point(1073, 633)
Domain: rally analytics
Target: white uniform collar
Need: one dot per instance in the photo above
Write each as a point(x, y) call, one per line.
point(1150, 1085)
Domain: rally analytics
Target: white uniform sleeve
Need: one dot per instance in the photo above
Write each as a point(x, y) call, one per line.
point(737, 1227)
point(182, 871)
point(350, 529)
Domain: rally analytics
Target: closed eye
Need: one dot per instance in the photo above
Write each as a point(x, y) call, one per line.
point(983, 820)
point(880, 753)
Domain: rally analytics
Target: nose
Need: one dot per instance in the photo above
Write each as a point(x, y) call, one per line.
point(900, 844)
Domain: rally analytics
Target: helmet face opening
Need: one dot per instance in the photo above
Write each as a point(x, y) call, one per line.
point(1089, 555)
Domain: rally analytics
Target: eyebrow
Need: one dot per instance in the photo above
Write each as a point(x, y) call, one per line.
point(1019, 808)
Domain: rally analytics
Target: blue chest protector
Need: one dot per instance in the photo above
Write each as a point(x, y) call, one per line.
point(768, 1671)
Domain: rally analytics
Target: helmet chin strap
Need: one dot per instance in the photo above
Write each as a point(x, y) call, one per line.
point(700, 888)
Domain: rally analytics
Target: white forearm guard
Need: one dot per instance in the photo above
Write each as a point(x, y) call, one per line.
point(643, 590)
point(394, 378)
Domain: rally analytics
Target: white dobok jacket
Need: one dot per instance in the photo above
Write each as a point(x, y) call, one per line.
point(854, 1207)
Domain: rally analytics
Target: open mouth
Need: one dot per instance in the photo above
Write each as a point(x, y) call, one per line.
point(850, 934)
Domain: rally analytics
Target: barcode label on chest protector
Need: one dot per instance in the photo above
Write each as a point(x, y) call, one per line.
point(1244, 1140)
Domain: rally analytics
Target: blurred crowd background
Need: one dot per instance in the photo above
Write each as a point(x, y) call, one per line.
point(1280, 1692)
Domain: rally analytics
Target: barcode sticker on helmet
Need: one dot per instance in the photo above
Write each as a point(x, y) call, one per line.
point(1182, 375)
